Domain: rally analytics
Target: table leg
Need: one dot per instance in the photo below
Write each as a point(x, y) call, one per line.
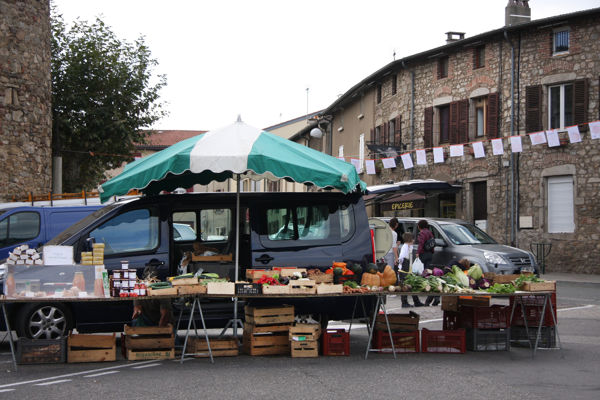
point(539, 329)
point(187, 332)
point(10, 338)
point(549, 299)
point(205, 331)
point(372, 323)
point(353, 313)
point(389, 329)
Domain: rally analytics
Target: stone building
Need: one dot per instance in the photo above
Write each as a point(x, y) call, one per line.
point(525, 77)
point(25, 98)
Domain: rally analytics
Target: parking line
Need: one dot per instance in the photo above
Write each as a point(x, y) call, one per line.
point(53, 382)
point(6, 390)
point(101, 373)
point(146, 366)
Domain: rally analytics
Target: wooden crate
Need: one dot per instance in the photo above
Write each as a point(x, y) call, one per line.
point(41, 351)
point(289, 271)
point(255, 274)
point(220, 347)
point(298, 286)
point(91, 348)
point(184, 281)
point(539, 286)
point(215, 258)
point(322, 278)
point(449, 303)
point(220, 288)
point(325, 288)
point(269, 315)
point(191, 289)
point(474, 301)
point(265, 340)
point(148, 343)
point(162, 292)
point(304, 332)
point(505, 278)
point(276, 289)
point(398, 322)
point(309, 348)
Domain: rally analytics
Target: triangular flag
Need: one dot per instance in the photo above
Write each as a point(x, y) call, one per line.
point(421, 157)
point(389, 162)
point(497, 147)
point(574, 135)
point(595, 129)
point(516, 146)
point(407, 160)
point(478, 150)
point(457, 150)
point(356, 163)
point(370, 164)
point(553, 140)
point(438, 154)
point(341, 158)
point(537, 138)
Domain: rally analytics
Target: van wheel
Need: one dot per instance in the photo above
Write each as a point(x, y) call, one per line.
point(43, 321)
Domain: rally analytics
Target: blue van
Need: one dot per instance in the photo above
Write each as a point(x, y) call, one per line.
point(35, 225)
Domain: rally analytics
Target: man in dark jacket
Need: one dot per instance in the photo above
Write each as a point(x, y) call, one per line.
point(425, 255)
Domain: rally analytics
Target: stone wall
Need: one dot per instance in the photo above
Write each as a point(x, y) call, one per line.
point(25, 98)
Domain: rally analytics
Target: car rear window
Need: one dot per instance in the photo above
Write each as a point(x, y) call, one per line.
point(461, 234)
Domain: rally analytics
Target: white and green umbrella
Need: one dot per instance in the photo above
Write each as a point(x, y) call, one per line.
point(237, 150)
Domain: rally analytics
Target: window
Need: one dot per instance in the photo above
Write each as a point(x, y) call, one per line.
point(560, 42)
point(480, 106)
point(361, 151)
point(378, 93)
point(479, 57)
point(561, 216)
point(272, 186)
point(215, 224)
point(560, 102)
point(341, 151)
point(391, 131)
point(443, 67)
point(378, 134)
point(19, 227)
point(130, 232)
point(444, 115)
point(184, 226)
point(394, 84)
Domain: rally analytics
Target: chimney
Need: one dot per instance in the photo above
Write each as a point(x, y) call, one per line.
point(517, 12)
point(452, 37)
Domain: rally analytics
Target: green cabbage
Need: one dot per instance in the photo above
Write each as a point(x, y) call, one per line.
point(475, 272)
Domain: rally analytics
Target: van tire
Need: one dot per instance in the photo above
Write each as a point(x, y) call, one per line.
point(43, 321)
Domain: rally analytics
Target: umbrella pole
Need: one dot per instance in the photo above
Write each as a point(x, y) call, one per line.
point(237, 255)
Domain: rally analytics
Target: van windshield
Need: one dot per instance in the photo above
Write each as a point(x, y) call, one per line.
point(67, 233)
point(466, 234)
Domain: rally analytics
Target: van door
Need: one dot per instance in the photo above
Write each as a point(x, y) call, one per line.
point(20, 227)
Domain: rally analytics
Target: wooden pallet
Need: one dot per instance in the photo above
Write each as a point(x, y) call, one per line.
point(91, 348)
point(220, 347)
point(269, 315)
point(148, 343)
point(305, 349)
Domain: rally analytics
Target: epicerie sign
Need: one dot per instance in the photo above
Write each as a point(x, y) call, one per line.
point(405, 205)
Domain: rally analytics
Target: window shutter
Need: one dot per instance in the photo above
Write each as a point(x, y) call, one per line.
point(453, 122)
point(428, 128)
point(463, 121)
point(373, 138)
point(533, 108)
point(398, 133)
point(551, 37)
point(474, 57)
point(580, 101)
point(493, 101)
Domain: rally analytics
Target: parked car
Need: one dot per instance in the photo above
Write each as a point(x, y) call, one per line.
point(321, 227)
point(457, 239)
point(35, 225)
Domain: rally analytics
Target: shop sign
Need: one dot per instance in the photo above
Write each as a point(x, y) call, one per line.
point(402, 205)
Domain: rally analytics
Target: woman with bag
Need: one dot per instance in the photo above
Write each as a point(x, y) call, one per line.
point(405, 263)
point(426, 243)
point(391, 258)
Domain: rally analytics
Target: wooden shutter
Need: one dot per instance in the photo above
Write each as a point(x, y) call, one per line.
point(493, 102)
point(428, 128)
point(580, 101)
point(384, 131)
point(398, 133)
point(533, 108)
point(453, 122)
point(463, 121)
point(373, 139)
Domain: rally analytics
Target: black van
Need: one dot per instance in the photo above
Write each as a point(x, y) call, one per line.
point(276, 229)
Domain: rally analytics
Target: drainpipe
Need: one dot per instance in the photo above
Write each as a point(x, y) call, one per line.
point(512, 132)
point(412, 114)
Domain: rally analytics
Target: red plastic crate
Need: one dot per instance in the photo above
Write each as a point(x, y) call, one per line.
point(404, 342)
point(443, 341)
point(493, 317)
point(534, 300)
point(533, 311)
point(336, 342)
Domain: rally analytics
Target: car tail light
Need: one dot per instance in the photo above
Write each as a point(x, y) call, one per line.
point(373, 244)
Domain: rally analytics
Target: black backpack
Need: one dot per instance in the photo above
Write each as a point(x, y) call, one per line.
point(429, 245)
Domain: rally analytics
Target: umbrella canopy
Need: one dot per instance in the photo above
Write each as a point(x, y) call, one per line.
point(237, 149)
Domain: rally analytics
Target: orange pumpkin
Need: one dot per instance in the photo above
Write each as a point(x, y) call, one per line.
point(370, 280)
point(388, 277)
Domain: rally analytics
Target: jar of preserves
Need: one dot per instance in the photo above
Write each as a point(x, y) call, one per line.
point(79, 281)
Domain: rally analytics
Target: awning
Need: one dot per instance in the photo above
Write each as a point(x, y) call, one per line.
point(421, 185)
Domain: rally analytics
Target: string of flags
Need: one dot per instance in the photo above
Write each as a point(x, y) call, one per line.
point(549, 137)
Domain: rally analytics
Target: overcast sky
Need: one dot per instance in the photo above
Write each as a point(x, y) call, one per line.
point(257, 57)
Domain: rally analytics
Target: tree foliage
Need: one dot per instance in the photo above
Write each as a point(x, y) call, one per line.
point(103, 94)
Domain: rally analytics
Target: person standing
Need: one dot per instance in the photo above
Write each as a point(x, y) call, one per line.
point(404, 266)
point(391, 258)
point(425, 254)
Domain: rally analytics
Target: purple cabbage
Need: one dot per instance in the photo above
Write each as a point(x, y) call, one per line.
point(438, 272)
point(427, 272)
point(483, 284)
point(472, 283)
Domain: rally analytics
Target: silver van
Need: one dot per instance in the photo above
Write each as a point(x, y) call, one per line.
point(457, 239)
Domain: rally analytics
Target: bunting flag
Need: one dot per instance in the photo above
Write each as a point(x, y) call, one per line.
point(478, 149)
point(407, 160)
point(389, 162)
point(516, 146)
point(537, 138)
point(370, 164)
point(595, 129)
point(421, 157)
point(552, 136)
point(438, 155)
point(457, 150)
point(497, 147)
point(574, 135)
point(341, 158)
point(356, 163)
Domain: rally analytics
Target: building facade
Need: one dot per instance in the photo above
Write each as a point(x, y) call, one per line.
point(25, 98)
point(526, 77)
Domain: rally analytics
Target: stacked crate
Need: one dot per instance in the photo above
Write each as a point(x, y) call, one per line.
point(404, 330)
point(336, 342)
point(148, 343)
point(533, 306)
point(304, 340)
point(91, 348)
point(486, 328)
point(266, 331)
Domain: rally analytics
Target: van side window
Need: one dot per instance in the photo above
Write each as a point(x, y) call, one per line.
point(19, 227)
point(184, 226)
point(129, 232)
point(313, 222)
point(280, 224)
point(346, 222)
point(215, 224)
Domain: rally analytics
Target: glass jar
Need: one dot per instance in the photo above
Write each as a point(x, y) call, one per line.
point(79, 281)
